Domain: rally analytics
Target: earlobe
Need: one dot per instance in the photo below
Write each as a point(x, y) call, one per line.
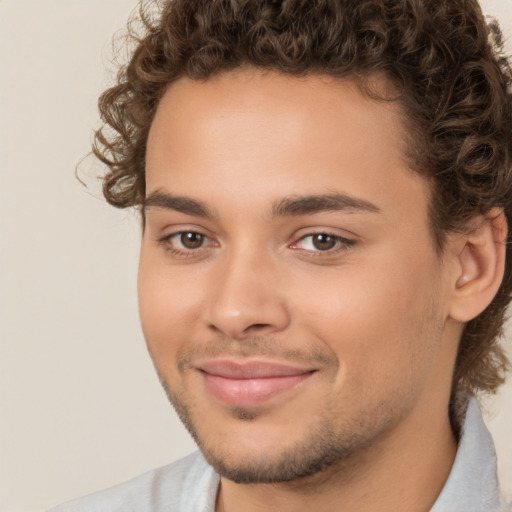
point(481, 264)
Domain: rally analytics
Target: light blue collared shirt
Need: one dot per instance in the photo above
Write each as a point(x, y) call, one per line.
point(190, 484)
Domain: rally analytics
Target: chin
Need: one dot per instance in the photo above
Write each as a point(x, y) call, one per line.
point(271, 462)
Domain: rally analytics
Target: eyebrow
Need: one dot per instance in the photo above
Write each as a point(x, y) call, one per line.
point(186, 205)
point(288, 206)
point(307, 205)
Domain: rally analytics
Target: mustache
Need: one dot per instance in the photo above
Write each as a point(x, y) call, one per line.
point(257, 347)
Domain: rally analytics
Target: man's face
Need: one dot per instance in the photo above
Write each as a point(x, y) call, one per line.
point(290, 293)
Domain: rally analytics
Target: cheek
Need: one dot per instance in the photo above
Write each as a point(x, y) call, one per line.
point(168, 308)
point(377, 318)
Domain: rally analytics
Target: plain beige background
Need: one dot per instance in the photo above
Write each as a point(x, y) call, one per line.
point(80, 406)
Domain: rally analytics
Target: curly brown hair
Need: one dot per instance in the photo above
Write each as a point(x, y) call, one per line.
point(441, 55)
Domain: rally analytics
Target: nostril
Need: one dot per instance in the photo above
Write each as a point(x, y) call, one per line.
point(258, 326)
point(256, 329)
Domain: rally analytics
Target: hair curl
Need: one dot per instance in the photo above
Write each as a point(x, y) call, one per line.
point(454, 83)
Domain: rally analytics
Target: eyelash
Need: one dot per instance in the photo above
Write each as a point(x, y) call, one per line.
point(166, 242)
point(341, 244)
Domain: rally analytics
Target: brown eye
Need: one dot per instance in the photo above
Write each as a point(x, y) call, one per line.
point(191, 240)
point(323, 242)
point(318, 243)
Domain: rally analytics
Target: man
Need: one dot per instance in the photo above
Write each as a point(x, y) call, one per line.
point(325, 188)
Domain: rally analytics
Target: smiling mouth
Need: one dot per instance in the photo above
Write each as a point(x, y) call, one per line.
point(249, 384)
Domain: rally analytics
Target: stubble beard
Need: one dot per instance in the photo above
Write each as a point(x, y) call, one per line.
point(332, 445)
point(322, 451)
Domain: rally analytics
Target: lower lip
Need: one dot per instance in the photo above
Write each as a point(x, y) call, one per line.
point(250, 392)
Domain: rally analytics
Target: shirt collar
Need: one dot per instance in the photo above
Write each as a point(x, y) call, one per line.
point(472, 485)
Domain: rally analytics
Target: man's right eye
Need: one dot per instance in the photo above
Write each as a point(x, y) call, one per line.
point(184, 241)
point(191, 239)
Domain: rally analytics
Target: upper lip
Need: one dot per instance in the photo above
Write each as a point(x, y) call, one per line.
point(231, 369)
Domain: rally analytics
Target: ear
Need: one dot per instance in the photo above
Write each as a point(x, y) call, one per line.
point(481, 264)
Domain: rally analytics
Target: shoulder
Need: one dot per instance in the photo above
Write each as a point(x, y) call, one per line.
point(162, 489)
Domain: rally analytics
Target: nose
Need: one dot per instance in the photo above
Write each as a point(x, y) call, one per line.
point(247, 299)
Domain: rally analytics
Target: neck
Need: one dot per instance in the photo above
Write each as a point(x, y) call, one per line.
point(405, 471)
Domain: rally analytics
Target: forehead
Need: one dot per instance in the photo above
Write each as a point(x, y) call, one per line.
point(254, 99)
point(265, 134)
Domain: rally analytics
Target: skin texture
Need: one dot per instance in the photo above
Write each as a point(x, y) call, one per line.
point(373, 316)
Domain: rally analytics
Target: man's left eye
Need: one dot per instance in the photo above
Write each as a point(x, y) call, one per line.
point(321, 242)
